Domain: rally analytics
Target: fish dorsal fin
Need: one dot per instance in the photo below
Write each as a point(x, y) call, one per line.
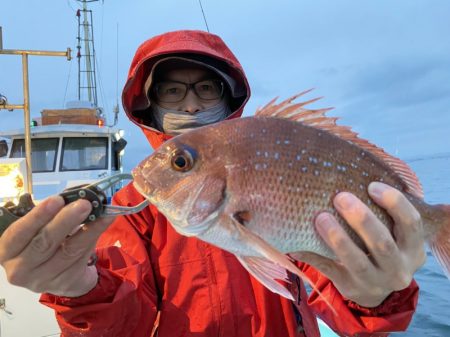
point(316, 118)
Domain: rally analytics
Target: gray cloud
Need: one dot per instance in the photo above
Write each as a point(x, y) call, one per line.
point(382, 65)
point(404, 81)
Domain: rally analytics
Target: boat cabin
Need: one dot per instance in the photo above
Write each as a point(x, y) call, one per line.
point(64, 155)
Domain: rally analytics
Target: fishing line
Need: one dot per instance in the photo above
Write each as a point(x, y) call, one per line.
point(68, 4)
point(204, 17)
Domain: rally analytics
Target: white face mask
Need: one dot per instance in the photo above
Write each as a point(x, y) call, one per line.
point(175, 122)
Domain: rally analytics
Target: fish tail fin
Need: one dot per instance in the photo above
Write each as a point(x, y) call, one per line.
point(440, 242)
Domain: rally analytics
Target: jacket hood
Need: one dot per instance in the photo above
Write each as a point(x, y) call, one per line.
point(195, 45)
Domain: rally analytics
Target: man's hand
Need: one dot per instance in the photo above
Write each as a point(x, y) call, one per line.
point(393, 259)
point(39, 253)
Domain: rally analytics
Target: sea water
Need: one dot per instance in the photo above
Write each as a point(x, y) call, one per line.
point(432, 318)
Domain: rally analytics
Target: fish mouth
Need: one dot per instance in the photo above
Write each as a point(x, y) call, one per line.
point(142, 185)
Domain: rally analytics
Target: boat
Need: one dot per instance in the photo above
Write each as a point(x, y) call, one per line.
point(64, 154)
point(67, 147)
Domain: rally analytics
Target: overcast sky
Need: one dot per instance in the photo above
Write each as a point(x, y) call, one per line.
point(384, 65)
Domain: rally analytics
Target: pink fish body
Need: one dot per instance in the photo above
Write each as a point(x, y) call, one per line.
point(253, 186)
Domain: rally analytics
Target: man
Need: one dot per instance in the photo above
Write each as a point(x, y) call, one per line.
point(150, 279)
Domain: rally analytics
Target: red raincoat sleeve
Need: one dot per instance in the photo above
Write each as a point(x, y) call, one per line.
point(124, 302)
point(394, 314)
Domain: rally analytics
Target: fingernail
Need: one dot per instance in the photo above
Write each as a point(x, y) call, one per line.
point(54, 203)
point(344, 201)
point(81, 206)
point(323, 222)
point(377, 189)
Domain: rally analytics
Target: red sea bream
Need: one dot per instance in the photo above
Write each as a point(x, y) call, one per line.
point(253, 186)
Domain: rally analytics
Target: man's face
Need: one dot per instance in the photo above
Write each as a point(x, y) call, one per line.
point(204, 95)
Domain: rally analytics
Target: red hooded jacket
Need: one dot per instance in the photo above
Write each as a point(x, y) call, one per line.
point(153, 279)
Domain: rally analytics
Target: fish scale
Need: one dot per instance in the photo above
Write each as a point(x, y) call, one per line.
point(306, 187)
point(253, 186)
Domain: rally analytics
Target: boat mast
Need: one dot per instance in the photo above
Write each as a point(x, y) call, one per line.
point(86, 69)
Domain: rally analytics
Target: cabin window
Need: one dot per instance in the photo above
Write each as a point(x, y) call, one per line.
point(3, 148)
point(43, 153)
point(84, 153)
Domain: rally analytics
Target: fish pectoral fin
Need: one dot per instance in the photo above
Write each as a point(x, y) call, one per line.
point(270, 265)
point(267, 264)
point(267, 273)
point(262, 249)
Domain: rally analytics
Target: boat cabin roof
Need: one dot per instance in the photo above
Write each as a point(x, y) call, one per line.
point(62, 129)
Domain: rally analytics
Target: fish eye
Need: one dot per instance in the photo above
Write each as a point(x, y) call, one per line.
point(183, 160)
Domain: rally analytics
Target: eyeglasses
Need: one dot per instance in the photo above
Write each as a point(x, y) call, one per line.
point(174, 91)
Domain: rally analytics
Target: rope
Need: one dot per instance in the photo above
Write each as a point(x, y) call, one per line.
point(67, 84)
point(100, 85)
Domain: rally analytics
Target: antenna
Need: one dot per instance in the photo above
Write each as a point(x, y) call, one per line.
point(116, 107)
